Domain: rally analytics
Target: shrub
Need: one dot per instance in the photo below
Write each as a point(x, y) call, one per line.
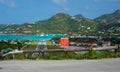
point(92, 55)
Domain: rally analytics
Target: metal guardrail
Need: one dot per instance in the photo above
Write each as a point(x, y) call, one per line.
point(25, 52)
point(73, 50)
point(12, 52)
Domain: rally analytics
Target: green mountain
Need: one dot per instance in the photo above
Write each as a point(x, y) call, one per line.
point(59, 23)
point(109, 22)
point(109, 18)
point(56, 24)
point(2, 26)
point(64, 23)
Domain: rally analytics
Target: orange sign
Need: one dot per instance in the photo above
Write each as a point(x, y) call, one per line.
point(64, 42)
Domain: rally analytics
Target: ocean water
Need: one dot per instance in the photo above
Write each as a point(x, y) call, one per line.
point(31, 37)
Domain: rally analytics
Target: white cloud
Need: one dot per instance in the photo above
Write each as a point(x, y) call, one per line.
point(8, 3)
point(87, 7)
point(59, 2)
point(66, 9)
point(62, 4)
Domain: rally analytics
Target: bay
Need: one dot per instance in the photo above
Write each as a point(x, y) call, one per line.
point(31, 37)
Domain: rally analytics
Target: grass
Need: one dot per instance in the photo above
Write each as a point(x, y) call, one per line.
point(32, 46)
point(64, 56)
point(67, 56)
point(73, 56)
point(51, 46)
point(49, 42)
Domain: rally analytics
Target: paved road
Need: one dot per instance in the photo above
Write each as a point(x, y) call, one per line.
point(41, 46)
point(108, 65)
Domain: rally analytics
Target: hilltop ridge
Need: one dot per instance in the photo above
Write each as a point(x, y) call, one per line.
point(64, 23)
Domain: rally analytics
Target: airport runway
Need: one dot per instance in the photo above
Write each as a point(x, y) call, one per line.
point(106, 65)
point(41, 46)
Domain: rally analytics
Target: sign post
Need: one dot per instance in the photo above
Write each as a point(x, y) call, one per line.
point(64, 42)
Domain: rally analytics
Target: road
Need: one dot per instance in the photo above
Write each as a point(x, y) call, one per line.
point(41, 46)
point(106, 65)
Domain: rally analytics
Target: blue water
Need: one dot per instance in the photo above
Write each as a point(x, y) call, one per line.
point(30, 37)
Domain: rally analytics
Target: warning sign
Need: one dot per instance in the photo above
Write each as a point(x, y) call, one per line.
point(64, 42)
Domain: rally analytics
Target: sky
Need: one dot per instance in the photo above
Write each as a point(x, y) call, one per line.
point(22, 11)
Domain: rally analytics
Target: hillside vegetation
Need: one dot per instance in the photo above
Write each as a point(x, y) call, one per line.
point(64, 23)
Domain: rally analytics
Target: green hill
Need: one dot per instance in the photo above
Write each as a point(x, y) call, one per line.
point(64, 23)
point(109, 22)
point(59, 23)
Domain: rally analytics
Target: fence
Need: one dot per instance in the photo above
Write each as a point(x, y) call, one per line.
point(26, 52)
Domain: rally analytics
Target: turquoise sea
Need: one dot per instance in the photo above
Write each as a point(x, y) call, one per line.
point(31, 37)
